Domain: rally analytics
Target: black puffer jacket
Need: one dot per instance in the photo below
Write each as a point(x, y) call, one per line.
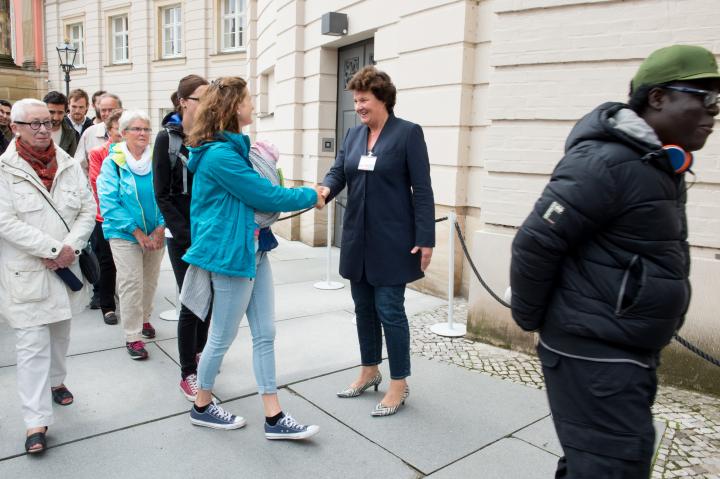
point(168, 183)
point(601, 265)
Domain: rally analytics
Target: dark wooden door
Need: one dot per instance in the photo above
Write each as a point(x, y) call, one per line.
point(350, 59)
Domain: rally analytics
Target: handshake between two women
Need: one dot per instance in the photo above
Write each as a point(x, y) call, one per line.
point(322, 194)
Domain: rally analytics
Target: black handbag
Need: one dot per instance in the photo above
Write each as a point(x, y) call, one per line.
point(89, 264)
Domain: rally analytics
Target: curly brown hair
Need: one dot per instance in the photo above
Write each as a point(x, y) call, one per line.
point(218, 109)
point(377, 82)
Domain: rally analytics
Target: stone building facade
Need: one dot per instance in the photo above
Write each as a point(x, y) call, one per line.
point(496, 85)
point(23, 70)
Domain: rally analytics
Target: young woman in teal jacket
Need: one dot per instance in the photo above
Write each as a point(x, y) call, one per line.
point(227, 243)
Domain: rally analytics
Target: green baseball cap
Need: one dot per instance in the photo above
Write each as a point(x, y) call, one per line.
point(675, 63)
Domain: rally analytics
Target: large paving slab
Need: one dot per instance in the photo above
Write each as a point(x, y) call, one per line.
point(302, 299)
point(506, 459)
point(301, 270)
point(292, 250)
point(89, 332)
point(173, 448)
point(304, 348)
point(111, 392)
point(542, 434)
point(451, 412)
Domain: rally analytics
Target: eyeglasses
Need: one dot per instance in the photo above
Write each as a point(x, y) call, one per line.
point(136, 129)
point(35, 124)
point(710, 98)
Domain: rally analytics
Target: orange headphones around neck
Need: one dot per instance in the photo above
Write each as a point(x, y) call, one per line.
point(680, 160)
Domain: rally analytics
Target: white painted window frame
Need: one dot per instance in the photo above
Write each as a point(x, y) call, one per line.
point(77, 42)
point(171, 32)
point(236, 40)
point(119, 35)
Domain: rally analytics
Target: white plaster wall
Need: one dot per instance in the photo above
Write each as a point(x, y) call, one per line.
point(550, 62)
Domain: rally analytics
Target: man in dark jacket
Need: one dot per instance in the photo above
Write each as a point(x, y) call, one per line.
point(6, 135)
point(600, 267)
point(62, 134)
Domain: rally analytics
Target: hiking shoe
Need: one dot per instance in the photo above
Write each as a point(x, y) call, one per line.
point(215, 417)
point(148, 332)
point(110, 318)
point(288, 428)
point(189, 387)
point(136, 350)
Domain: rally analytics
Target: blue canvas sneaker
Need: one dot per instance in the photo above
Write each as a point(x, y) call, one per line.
point(216, 417)
point(288, 428)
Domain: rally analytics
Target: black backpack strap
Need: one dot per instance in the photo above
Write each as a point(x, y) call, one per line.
point(175, 142)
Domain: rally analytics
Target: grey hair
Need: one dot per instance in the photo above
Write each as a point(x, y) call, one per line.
point(113, 96)
point(20, 108)
point(130, 116)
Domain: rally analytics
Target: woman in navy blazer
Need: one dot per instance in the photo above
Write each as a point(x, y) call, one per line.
point(388, 229)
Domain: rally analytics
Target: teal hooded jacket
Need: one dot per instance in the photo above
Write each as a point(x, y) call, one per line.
point(119, 200)
point(226, 193)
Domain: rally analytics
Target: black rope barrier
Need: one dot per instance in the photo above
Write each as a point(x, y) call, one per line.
point(684, 342)
point(294, 214)
point(475, 270)
point(696, 350)
point(690, 346)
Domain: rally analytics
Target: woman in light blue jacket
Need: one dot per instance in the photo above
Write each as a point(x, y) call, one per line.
point(227, 243)
point(134, 227)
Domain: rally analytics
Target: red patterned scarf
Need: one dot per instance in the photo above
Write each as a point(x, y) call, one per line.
point(43, 162)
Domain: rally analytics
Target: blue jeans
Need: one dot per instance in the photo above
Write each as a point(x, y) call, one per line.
point(233, 298)
point(376, 306)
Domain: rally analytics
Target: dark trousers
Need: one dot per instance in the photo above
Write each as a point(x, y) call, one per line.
point(105, 287)
point(602, 416)
point(192, 331)
point(376, 307)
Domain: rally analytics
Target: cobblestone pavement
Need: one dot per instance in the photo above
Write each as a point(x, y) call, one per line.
point(690, 446)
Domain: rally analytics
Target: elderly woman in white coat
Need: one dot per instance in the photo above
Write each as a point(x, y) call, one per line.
point(46, 216)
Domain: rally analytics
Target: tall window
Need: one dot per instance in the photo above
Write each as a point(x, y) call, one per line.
point(171, 31)
point(119, 39)
point(233, 24)
point(74, 34)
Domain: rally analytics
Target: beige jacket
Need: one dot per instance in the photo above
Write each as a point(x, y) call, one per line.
point(31, 294)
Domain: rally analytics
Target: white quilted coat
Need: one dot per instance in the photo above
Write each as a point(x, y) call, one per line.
point(31, 294)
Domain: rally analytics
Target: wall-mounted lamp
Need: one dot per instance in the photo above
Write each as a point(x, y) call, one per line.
point(334, 23)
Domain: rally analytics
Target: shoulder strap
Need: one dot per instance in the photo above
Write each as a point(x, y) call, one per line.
point(32, 181)
point(56, 211)
point(175, 143)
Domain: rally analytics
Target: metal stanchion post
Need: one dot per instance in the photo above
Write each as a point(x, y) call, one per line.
point(173, 314)
point(327, 284)
point(450, 328)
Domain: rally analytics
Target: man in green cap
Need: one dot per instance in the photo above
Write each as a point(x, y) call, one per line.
point(600, 267)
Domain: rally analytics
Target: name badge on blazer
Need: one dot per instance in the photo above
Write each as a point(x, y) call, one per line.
point(367, 162)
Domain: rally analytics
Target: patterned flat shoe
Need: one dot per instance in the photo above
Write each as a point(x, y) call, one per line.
point(381, 410)
point(355, 392)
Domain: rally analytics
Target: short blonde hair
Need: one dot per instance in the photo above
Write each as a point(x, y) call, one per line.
point(130, 116)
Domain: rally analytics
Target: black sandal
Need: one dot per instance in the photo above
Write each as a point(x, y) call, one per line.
point(61, 394)
point(35, 439)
